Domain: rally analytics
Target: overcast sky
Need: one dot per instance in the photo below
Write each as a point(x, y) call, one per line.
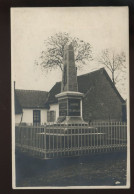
point(102, 27)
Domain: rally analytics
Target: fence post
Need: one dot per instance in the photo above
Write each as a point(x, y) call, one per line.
point(31, 133)
point(115, 134)
point(88, 139)
point(75, 140)
point(57, 141)
point(53, 143)
point(36, 140)
point(125, 129)
point(21, 138)
point(40, 141)
point(60, 143)
point(33, 140)
point(100, 135)
point(78, 141)
point(119, 135)
point(97, 137)
point(91, 139)
point(45, 142)
point(68, 141)
point(111, 135)
point(94, 137)
point(106, 126)
point(49, 142)
point(71, 141)
point(64, 139)
point(81, 140)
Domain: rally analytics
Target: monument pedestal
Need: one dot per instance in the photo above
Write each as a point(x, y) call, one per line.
point(70, 108)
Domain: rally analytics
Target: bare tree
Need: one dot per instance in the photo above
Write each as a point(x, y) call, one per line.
point(113, 62)
point(52, 56)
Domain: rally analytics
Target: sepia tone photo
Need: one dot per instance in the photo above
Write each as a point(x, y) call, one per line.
point(70, 98)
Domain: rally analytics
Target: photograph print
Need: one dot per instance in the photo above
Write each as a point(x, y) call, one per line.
point(70, 98)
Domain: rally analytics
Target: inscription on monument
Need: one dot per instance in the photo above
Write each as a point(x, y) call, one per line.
point(74, 107)
point(63, 107)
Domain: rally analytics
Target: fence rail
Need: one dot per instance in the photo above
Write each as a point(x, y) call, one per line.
point(60, 140)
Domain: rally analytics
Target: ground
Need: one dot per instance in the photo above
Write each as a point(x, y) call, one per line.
point(93, 170)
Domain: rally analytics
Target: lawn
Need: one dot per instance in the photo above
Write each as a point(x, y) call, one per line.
point(93, 170)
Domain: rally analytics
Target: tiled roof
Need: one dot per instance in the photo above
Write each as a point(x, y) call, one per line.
point(31, 98)
point(42, 99)
point(85, 82)
point(18, 109)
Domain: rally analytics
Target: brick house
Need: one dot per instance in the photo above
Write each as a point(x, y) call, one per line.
point(101, 101)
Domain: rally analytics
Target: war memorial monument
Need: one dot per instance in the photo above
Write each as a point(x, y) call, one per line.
point(70, 100)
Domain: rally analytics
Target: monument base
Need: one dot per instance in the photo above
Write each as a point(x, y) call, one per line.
point(72, 120)
point(70, 108)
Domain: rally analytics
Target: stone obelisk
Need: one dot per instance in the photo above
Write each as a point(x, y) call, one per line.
point(70, 100)
point(69, 77)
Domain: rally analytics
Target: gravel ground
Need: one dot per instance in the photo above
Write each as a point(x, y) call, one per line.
point(93, 170)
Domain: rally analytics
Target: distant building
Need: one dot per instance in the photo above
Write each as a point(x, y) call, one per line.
point(101, 101)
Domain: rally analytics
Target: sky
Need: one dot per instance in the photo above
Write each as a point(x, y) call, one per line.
point(102, 27)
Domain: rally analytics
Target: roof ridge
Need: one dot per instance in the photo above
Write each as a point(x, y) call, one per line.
point(30, 90)
point(102, 68)
point(114, 87)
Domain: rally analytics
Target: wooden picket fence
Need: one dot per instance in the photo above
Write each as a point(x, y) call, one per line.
point(59, 140)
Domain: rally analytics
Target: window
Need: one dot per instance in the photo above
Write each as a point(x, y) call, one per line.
point(36, 117)
point(51, 116)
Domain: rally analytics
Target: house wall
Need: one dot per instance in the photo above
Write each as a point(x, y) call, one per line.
point(28, 116)
point(17, 118)
point(55, 107)
point(101, 103)
point(44, 116)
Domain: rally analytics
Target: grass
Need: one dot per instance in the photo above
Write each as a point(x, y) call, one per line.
point(93, 170)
